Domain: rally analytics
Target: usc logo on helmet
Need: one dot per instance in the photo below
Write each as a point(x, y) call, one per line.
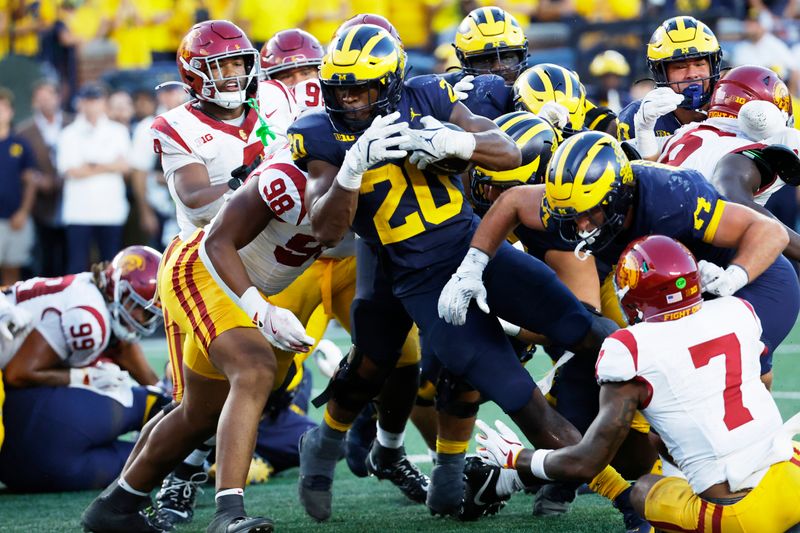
point(628, 273)
point(782, 99)
point(130, 263)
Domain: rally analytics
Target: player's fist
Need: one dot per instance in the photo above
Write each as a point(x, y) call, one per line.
point(655, 104)
point(380, 142)
point(464, 285)
point(501, 447)
point(759, 119)
point(721, 282)
point(555, 113)
point(436, 141)
point(103, 376)
point(281, 328)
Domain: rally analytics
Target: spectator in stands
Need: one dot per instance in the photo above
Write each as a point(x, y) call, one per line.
point(609, 71)
point(26, 19)
point(120, 108)
point(765, 49)
point(41, 131)
point(59, 45)
point(92, 157)
point(17, 182)
point(149, 187)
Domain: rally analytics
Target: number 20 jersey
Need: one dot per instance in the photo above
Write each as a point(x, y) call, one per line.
point(69, 312)
point(706, 398)
point(401, 208)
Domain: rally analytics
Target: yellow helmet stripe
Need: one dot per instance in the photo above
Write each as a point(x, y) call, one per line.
point(559, 173)
point(588, 159)
point(531, 133)
point(516, 118)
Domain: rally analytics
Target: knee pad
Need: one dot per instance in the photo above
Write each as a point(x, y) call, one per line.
point(348, 387)
point(449, 396)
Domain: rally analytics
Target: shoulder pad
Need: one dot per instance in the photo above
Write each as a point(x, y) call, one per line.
point(86, 332)
point(618, 358)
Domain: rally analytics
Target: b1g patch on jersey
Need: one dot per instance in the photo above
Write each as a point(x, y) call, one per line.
point(282, 187)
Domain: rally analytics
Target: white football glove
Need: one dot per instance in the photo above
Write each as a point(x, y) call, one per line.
point(436, 141)
point(103, 376)
point(759, 120)
point(12, 319)
point(499, 448)
point(719, 281)
point(463, 87)
point(555, 113)
point(464, 285)
point(655, 104)
point(380, 142)
point(281, 328)
point(328, 356)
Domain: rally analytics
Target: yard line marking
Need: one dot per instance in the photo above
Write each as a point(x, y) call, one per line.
point(786, 395)
point(788, 348)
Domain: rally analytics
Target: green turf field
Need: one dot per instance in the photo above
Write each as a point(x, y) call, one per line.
point(366, 504)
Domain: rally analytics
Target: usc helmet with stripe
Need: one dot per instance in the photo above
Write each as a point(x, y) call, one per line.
point(747, 83)
point(547, 82)
point(289, 49)
point(364, 56)
point(589, 175)
point(679, 39)
point(536, 140)
point(491, 41)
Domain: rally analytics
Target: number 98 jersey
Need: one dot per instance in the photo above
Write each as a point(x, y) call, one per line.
point(400, 207)
point(69, 312)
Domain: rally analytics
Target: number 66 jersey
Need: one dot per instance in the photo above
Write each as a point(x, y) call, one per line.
point(706, 399)
point(69, 312)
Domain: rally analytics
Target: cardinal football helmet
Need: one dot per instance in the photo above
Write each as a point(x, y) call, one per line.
point(290, 49)
point(747, 83)
point(130, 283)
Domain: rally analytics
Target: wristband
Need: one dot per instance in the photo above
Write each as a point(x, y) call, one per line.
point(537, 464)
point(252, 303)
point(78, 377)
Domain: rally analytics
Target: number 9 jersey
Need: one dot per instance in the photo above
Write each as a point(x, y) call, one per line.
point(69, 312)
point(398, 203)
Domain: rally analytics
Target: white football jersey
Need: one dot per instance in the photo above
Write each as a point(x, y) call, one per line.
point(185, 135)
point(69, 312)
point(706, 401)
point(700, 146)
point(308, 95)
point(286, 247)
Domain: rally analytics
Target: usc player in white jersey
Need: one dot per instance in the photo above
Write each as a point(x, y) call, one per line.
point(214, 285)
point(692, 367)
point(738, 159)
point(54, 330)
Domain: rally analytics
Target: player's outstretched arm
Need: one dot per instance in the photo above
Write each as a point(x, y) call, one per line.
point(36, 364)
point(517, 205)
point(494, 150)
point(738, 178)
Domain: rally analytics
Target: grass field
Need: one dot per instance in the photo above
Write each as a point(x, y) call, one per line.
point(366, 504)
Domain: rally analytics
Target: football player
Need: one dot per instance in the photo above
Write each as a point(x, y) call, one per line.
point(722, 148)
point(214, 286)
point(64, 408)
point(415, 223)
point(599, 201)
point(720, 425)
point(684, 57)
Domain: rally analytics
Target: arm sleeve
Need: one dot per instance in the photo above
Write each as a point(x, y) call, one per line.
point(175, 152)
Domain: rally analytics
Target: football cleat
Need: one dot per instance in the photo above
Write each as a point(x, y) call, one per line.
point(480, 494)
point(633, 522)
point(318, 458)
point(102, 517)
point(553, 499)
point(446, 489)
point(394, 465)
point(175, 500)
point(359, 440)
point(226, 523)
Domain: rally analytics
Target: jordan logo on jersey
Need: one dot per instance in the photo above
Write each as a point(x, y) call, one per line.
point(413, 114)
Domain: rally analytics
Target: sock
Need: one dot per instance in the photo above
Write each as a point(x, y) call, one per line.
point(450, 447)
point(126, 498)
point(609, 483)
point(230, 501)
point(508, 483)
point(334, 425)
point(192, 464)
point(432, 453)
point(388, 439)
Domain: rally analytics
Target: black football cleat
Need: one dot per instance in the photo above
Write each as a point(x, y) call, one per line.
point(480, 492)
point(553, 499)
point(394, 465)
point(227, 523)
point(175, 500)
point(102, 517)
point(318, 458)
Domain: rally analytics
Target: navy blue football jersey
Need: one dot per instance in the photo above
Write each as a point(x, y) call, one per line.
point(675, 202)
point(665, 125)
point(418, 217)
point(490, 97)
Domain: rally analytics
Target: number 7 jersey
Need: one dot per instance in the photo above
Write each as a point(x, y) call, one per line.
point(706, 399)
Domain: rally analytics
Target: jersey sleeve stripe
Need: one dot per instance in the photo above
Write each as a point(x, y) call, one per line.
point(160, 124)
point(629, 341)
point(100, 320)
point(711, 229)
point(299, 181)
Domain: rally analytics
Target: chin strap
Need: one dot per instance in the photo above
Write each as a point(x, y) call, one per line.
point(263, 130)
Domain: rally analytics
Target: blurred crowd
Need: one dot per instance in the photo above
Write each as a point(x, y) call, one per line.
point(79, 176)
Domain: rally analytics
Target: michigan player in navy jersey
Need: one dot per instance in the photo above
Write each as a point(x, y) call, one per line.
point(599, 202)
point(684, 57)
point(417, 226)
